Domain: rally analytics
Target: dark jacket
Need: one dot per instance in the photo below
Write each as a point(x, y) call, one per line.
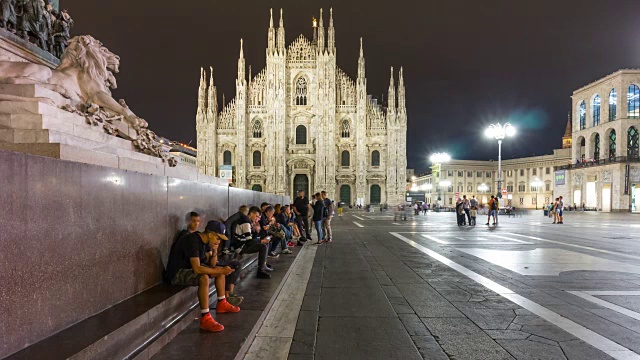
point(244, 234)
point(318, 210)
point(231, 224)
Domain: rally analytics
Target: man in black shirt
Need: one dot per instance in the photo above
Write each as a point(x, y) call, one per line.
point(193, 223)
point(301, 208)
point(188, 266)
point(327, 233)
point(318, 210)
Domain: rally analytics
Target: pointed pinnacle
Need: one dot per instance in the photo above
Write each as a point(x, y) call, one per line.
point(361, 50)
point(281, 18)
point(271, 19)
point(241, 48)
point(331, 17)
point(211, 69)
point(391, 81)
point(320, 20)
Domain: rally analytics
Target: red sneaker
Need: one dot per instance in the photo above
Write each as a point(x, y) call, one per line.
point(290, 244)
point(224, 307)
point(207, 323)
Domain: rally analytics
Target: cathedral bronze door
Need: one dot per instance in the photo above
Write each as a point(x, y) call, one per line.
point(376, 194)
point(301, 182)
point(345, 194)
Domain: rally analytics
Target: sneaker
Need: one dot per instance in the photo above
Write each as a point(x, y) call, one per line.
point(263, 275)
point(227, 252)
point(487, 224)
point(207, 323)
point(269, 267)
point(273, 255)
point(291, 244)
point(330, 240)
point(286, 252)
point(224, 307)
point(235, 299)
point(319, 242)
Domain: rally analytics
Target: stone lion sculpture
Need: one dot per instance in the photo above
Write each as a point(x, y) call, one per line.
point(84, 76)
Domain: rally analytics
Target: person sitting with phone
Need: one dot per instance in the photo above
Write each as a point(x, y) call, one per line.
point(248, 238)
point(190, 264)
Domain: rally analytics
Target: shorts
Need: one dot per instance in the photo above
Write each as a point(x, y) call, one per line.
point(492, 213)
point(559, 212)
point(186, 277)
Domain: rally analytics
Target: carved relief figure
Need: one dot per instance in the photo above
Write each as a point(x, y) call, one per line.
point(8, 15)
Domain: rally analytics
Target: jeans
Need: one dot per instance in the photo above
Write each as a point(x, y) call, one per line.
point(467, 213)
point(303, 224)
point(288, 231)
point(259, 248)
point(326, 228)
point(233, 277)
point(275, 241)
point(318, 228)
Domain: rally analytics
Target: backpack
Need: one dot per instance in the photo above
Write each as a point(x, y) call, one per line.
point(494, 204)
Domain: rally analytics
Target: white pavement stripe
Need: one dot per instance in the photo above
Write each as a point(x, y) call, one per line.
point(596, 340)
point(272, 335)
point(512, 239)
point(360, 225)
point(608, 305)
point(578, 246)
point(358, 217)
point(433, 238)
point(613, 293)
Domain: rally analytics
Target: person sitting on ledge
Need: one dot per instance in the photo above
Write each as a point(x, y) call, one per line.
point(230, 279)
point(231, 224)
point(193, 223)
point(247, 238)
point(187, 266)
point(269, 227)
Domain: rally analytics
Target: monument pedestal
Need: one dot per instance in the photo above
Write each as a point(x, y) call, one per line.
point(37, 128)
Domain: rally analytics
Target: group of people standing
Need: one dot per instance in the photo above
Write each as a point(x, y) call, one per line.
point(467, 210)
point(556, 209)
point(315, 213)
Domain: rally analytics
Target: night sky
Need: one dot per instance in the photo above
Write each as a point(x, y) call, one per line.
point(467, 63)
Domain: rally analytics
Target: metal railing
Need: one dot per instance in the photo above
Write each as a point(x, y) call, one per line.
point(607, 161)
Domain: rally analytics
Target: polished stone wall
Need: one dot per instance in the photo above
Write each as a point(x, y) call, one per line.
point(77, 238)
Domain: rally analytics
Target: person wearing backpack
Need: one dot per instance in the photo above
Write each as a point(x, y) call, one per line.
point(493, 210)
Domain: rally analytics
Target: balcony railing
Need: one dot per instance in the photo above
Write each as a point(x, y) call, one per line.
point(607, 161)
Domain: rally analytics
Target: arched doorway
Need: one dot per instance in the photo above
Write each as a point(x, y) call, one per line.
point(376, 194)
point(345, 194)
point(257, 187)
point(300, 182)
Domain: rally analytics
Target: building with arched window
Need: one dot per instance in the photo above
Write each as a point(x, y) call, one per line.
point(303, 123)
point(604, 173)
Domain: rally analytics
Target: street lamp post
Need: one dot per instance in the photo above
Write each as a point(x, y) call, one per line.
point(538, 184)
point(499, 132)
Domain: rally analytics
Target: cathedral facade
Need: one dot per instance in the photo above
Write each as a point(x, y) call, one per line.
point(303, 124)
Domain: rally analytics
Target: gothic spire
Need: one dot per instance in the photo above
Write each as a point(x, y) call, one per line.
point(361, 68)
point(272, 34)
point(212, 96)
point(402, 106)
point(241, 63)
point(391, 106)
point(202, 92)
point(568, 130)
point(331, 45)
point(281, 37)
point(321, 33)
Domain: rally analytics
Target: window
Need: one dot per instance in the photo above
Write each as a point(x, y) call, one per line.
point(521, 188)
point(345, 129)
point(509, 173)
point(612, 144)
point(469, 188)
point(521, 172)
point(534, 172)
point(479, 174)
point(301, 135)
point(521, 201)
point(633, 102)
point(469, 173)
point(547, 187)
point(547, 171)
point(450, 189)
point(632, 143)
point(257, 187)
point(534, 188)
point(488, 174)
point(450, 201)
point(510, 188)
point(226, 158)
point(257, 158)
point(613, 102)
point(582, 115)
point(375, 158)
point(596, 150)
point(346, 158)
point(257, 129)
point(450, 173)
point(595, 106)
point(460, 173)
point(460, 187)
point(301, 91)
point(533, 201)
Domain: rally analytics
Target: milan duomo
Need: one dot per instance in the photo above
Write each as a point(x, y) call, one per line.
point(303, 124)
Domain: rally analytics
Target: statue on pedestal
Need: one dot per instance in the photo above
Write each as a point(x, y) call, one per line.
point(61, 33)
point(30, 16)
point(8, 15)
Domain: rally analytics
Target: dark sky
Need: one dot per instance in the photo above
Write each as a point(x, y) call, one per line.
point(467, 63)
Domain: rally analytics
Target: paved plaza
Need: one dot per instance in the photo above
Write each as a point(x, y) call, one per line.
point(426, 288)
